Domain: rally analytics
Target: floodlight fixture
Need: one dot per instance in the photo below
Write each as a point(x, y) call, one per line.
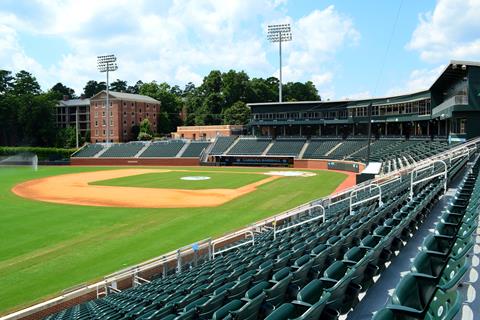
point(279, 33)
point(107, 63)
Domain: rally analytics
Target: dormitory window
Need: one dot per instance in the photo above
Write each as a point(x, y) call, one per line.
point(103, 114)
point(96, 123)
point(96, 114)
point(111, 122)
point(124, 121)
point(124, 104)
point(140, 110)
point(111, 132)
point(132, 104)
point(104, 132)
point(96, 133)
point(133, 113)
point(133, 122)
point(111, 113)
point(124, 132)
point(104, 123)
point(124, 113)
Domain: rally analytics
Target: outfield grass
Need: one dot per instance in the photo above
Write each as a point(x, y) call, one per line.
point(48, 247)
point(171, 180)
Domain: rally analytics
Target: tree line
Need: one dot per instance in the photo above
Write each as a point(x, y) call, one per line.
point(27, 114)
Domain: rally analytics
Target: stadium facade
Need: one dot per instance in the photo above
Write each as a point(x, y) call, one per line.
point(450, 108)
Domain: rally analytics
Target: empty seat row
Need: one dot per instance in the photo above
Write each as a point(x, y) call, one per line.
point(429, 291)
point(163, 149)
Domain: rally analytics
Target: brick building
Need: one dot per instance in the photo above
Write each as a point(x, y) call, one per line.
point(126, 111)
point(207, 132)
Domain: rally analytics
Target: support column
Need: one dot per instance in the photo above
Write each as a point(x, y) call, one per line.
point(386, 128)
point(300, 130)
point(320, 130)
point(336, 130)
point(401, 128)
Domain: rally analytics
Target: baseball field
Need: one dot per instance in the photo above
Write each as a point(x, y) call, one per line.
point(64, 226)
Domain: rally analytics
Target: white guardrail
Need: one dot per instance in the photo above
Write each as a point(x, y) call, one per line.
point(109, 283)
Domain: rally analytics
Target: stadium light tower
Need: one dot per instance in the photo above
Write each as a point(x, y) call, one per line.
point(279, 33)
point(106, 64)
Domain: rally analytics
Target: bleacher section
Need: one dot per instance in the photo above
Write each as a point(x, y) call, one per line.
point(318, 149)
point(163, 149)
point(430, 290)
point(123, 150)
point(250, 146)
point(194, 149)
point(289, 147)
point(310, 266)
point(394, 154)
point(90, 150)
point(222, 144)
point(347, 148)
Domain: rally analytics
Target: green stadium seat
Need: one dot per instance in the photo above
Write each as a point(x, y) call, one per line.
point(413, 294)
point(279, 286)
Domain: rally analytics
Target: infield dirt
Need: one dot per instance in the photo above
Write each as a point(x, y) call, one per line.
point(76, 189)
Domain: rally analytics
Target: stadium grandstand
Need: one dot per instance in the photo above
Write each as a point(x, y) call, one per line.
point(335, 257)
point(402, 244)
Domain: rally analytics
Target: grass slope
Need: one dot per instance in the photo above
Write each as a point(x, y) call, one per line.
point(171, 180)
point(47, 247)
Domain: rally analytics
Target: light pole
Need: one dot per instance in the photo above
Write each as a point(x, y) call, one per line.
point(279, 33)
point(106, 64)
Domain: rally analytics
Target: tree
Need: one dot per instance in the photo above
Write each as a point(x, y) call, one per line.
point(30, 110)
point(6, 81)
point(135, 130)
point(119, 86)
point(145, 126)
point(146, 132)
point(25, 83)
point(59, 90)
point(262, 90)
point(66, 138)
point(93, 87)
point(136, 88)
point(238, 113)
point(297, 91)
point(171, 104)
point(234, 87)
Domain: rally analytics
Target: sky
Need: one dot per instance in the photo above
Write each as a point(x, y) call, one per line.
point(348, 48)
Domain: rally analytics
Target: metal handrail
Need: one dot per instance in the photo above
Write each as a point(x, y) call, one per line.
point(432, 165)
point(275, 230)
point(355, 192)
point(252, 241)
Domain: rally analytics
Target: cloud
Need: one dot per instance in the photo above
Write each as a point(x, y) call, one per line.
point(419, 79)
point(358, 95)
point(318, 36)
point(176, 42)
point(451, 31)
